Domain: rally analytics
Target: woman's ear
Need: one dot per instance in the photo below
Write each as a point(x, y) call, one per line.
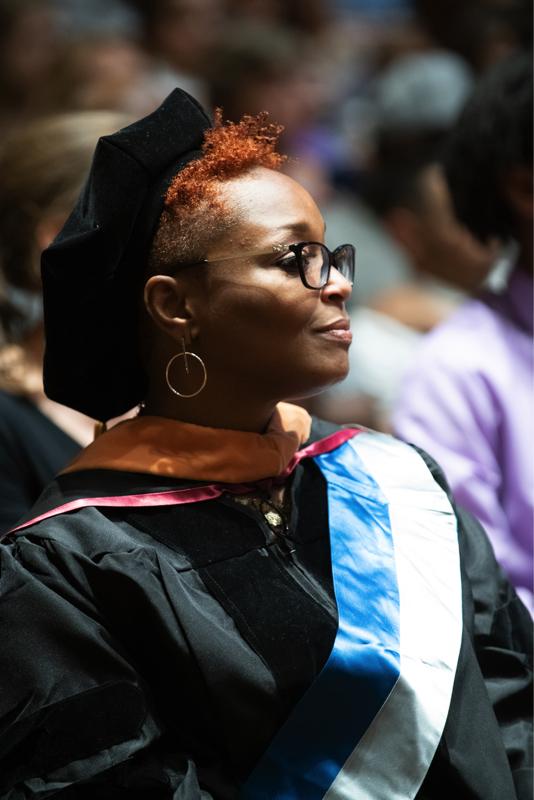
point(167, 303)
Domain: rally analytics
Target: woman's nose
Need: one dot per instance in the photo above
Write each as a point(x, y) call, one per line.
point(337, 286)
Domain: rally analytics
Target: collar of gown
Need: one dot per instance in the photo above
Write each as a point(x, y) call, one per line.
point(161, 446)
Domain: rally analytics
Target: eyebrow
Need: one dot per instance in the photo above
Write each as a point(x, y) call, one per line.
point(299, 228)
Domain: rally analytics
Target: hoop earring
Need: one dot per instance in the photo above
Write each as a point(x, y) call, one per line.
point(184, 354)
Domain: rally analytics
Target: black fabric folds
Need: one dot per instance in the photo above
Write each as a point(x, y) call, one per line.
point(158, 647)
point(32, 450)
point(92, 271)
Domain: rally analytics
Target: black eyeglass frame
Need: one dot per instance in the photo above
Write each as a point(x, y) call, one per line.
point(296, 249)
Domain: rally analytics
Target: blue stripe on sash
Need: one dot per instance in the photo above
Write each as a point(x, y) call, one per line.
point(311, 747)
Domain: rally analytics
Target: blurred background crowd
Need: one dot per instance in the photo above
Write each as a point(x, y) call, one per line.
point(367, 92)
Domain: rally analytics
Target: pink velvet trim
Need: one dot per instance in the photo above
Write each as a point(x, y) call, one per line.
point(175, 497)
point(170, 498)
point(325, 445)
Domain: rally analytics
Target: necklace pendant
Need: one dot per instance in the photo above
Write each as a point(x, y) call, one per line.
point(273, 518)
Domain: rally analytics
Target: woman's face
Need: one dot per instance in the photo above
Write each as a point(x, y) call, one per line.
point(260, 331)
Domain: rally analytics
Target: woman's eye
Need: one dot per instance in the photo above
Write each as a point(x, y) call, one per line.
point(288, 263)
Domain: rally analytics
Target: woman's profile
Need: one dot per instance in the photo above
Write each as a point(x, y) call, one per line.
point(224, 597)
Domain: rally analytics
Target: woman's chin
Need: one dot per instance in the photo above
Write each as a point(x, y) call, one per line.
point(337, 371)
point(320, 383)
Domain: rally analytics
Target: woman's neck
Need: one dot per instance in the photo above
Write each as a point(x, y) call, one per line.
point(229, 416)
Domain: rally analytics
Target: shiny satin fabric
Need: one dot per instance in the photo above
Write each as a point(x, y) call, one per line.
point(310, 749)
point(386, 688)
point(393, 757)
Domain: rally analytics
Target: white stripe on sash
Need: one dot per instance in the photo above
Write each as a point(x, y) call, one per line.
point(393, 757)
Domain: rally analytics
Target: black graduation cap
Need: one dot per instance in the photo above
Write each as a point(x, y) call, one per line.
point(92, 271)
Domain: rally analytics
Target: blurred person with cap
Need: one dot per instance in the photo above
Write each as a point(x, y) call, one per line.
point(228, 598)
point(417, 99)
point(468, 397)
point(42, 168)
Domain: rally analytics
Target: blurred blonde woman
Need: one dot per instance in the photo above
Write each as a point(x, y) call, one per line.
point(42, 168)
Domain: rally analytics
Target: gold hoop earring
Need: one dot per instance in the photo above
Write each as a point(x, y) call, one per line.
point(184, 354)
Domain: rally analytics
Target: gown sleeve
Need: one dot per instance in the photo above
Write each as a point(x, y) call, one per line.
point(16, 495)
point(502, 637)
point(503, 644)
point(76, 719)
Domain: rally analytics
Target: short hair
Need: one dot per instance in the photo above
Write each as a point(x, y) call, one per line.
point(195, 216)
point(493, 134)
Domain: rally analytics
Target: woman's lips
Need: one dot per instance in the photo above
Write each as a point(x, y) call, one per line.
point(338, 335)
point(339, 331)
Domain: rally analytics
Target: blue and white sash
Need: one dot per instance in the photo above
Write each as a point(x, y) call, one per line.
point(368, 727)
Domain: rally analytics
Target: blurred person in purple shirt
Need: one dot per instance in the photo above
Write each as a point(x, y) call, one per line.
point(468, 398)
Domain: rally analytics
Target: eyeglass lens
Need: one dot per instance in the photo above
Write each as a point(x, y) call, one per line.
point(315, 260)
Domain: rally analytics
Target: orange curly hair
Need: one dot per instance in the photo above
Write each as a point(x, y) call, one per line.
point(195, 215)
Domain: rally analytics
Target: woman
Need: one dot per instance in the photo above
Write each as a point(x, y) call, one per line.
point(42, 169)
point(228, 598)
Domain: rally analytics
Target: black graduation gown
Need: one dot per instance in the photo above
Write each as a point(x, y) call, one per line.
point(153, 653)
point(32, 450)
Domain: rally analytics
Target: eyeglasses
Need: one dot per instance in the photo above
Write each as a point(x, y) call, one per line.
point(312, 260)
